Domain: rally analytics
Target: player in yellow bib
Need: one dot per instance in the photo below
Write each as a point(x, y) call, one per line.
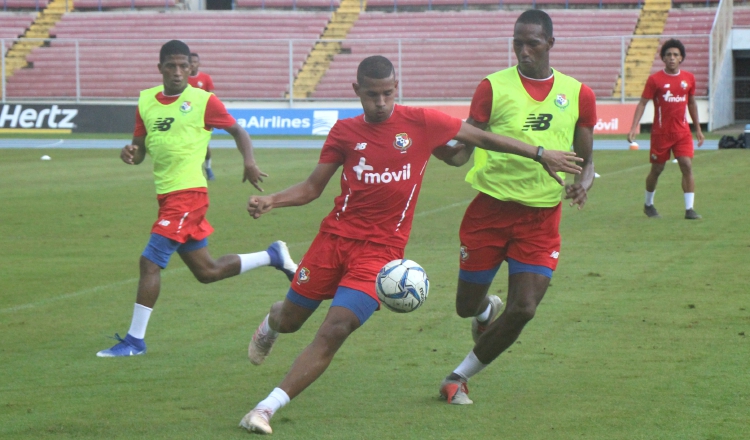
point(516, 215)
point(173, 125)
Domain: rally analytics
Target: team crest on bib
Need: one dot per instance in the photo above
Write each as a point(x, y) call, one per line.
point(683, 84)
point(561, 101)
point(402, 142)
point(304, 275)
point(186, 107)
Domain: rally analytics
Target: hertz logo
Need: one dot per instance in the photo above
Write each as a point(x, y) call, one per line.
point(163, 124)
point(538, 122)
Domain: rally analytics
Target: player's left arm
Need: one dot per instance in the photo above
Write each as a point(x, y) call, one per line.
point(135, 152)
point(252, 173)
point(693, 110)
point(583, 145)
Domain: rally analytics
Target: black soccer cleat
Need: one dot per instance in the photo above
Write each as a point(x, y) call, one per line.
point(651, 212)
point(690, 214)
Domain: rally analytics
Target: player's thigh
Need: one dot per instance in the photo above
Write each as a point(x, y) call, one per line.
point(536, 241)
point(196, 256)
point(525, 292)
point(293, 312)
point(661, 147)
point(338, 324)
point(683, 146)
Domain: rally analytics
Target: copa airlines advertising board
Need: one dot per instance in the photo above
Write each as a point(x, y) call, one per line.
point(299, 122)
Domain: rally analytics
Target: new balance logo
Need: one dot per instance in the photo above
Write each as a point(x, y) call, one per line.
point(163, 124)
point(360, 146)
point(538, 122)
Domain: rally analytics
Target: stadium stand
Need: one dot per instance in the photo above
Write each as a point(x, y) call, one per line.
point(692, 27)
point(742, 16)
point(24, 4)
point(288, 4)
point(14, 24)
point(246, 53)
point(115, 4)
point(396, 5)
point(434, 67)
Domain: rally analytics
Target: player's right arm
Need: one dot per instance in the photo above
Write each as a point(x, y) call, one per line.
point(553, 161)
point(639, 109)
point(460, 153)
point(296, 195)
point(134, 153)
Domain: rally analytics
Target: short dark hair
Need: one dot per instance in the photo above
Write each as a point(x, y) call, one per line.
point(194, 54)
point(536, 16)
point(672, 43)
point(173, 47)
point(375, 67)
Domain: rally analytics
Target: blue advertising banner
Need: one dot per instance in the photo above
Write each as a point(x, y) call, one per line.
point(298, 122)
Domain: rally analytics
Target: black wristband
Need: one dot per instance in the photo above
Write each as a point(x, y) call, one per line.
point(539, 152)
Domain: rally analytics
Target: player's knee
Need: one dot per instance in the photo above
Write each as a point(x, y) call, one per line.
point(466, 309)
point(520, 314)
point(288, 326)
point(207, 275)
point(333, 335)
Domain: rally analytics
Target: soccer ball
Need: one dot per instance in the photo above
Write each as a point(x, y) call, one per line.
point(402, 286)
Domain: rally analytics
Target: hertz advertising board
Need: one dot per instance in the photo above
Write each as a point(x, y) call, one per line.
point(64, 118)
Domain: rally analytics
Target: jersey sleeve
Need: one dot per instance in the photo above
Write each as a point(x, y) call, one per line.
point(216, 114)
point(691, 90)
point(481, 103)
point(586, 107)
point(209, 83)
point(333, 147)
point(440, 127)
point(140, 127)
point(650, 90)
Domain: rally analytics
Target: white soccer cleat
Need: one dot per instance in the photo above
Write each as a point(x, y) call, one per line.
point(258, 420)
point(260, 345)
point(456, 392)
point(496, 306)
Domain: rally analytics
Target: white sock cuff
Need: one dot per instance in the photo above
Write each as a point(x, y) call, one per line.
point(482, 317)
point(254, 260)
point(275, 401)
point(470, 366)
point(689, 200)
point(141, 315)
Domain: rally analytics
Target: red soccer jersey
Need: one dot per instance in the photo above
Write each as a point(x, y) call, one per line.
point(202, 81)
point(216, 114)
point(670, 94)
point(481, 103)
point(383, 167)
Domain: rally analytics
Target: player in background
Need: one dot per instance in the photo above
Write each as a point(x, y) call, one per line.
point(173, 125)
point(671, 89)
point(516, 215)
point(383, 153)
point(201, 80)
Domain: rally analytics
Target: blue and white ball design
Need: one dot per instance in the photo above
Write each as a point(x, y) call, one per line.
point(402, 286)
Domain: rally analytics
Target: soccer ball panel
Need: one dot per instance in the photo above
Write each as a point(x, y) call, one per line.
point(402, 286)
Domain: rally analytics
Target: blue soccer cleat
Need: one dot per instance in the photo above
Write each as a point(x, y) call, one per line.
point(129, 346)
point(210, 174)
point(281, 260)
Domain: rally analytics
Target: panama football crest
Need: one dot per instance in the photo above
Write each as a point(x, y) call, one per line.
point(186, 107)
point(402, 142)
point(561, 101)
point(304, 275)
point(464, 253)
point(684, 85)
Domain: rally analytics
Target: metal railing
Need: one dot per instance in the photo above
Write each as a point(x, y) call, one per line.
point(85, 69)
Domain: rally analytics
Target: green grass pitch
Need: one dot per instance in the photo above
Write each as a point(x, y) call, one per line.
point(642, 335)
